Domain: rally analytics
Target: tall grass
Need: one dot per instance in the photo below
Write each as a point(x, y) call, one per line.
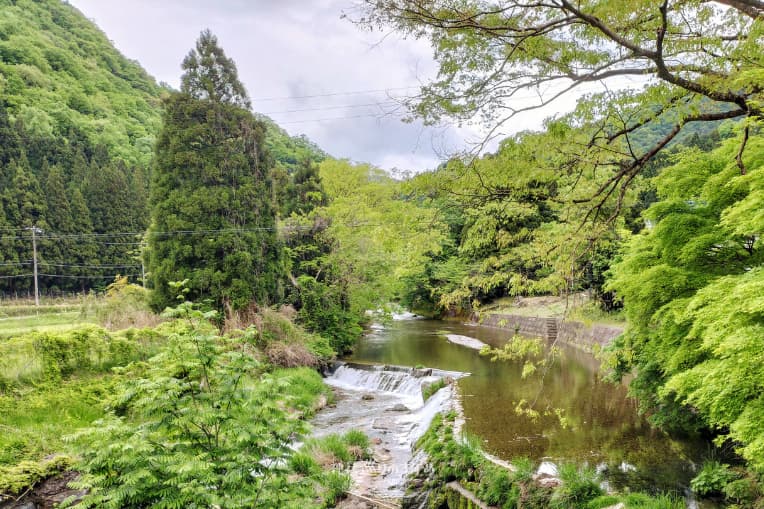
point(51, 356)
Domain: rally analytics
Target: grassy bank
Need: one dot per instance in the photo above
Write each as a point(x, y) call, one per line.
point(461, 460)
point(84, 397)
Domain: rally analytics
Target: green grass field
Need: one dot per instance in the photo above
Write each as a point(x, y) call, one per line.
point(43, 322)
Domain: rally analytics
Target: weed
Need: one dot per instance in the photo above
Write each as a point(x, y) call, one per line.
point(337, 484)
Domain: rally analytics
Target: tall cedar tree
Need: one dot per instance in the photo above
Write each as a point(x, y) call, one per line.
point(211, 178)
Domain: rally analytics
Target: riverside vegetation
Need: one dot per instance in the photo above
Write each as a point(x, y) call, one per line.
point(647, 199)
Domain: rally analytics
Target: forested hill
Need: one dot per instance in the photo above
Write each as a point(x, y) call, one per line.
point(62, 78)
point(78, 122)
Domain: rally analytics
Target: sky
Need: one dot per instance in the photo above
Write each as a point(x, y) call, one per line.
point(306, 67)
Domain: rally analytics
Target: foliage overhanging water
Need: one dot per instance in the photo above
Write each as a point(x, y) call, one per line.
point(604, 428)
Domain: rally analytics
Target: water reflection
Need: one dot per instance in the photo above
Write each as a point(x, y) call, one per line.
point(603, 427)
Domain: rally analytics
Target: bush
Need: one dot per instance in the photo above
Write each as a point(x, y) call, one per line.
point(742, 491)
point(642, 501)
point(200, 414)
point(358, 443)
point(304, 388)
point(15, 480)
point(52, 356)
point(123, 305)
point(290, 355)
point(328, 451)
point(285, 342)
point(712, 479)
point(357, 438)
point(432, 388)
point(603, 501)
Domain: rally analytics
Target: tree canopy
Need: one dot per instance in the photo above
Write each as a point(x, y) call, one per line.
point(210, 74)
point(698, 60)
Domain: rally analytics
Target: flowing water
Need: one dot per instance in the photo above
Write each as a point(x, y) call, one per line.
point(386, 403)
point(601, 427)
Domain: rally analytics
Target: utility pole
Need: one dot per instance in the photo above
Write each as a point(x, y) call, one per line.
point(35, 230)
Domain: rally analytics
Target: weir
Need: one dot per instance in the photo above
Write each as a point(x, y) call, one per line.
point(386, 403)
point(402, 380)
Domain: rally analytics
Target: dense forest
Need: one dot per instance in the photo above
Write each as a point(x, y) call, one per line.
point(79, 122)
point(264, 252)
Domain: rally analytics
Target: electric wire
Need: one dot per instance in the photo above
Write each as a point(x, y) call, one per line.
point(339, 107)
point(333, 94)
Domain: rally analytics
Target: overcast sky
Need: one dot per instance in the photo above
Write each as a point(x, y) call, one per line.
point(299, 55)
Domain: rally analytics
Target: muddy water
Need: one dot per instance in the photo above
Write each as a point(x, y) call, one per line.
point(602, 426)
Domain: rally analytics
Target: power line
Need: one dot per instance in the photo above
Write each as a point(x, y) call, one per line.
point(68, 265)
point(17, 275)
point(15, 264)
point(340, 107)
point(332, 94)
point(89, 277)
point(330, 119)
point(95, 237)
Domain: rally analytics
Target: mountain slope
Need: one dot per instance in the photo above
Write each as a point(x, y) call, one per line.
point(59, 73)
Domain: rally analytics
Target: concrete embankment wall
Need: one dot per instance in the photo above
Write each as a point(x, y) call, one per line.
point(574, 333)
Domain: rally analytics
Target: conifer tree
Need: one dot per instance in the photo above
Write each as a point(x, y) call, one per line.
point(86, 249)
point(211, 75)
point(211, 179)
point(24, 207)
point(59, 219)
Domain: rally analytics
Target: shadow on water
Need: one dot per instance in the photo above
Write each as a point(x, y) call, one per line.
point(604, 428)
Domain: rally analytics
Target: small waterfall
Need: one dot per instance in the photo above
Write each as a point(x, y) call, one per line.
point(399, 380)
point(386, 403)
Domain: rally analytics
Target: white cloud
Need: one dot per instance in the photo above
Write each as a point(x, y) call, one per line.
point(295, 48)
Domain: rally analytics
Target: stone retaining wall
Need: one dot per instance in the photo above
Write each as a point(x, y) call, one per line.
point(574, 333)
point(530, 326)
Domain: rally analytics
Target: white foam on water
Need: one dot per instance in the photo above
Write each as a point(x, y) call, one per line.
point(370, 399)
point(396, 382)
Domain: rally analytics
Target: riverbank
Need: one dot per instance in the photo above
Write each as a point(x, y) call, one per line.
point(458, 474)
point(588, 336)
point(81, 404)
point(563, 413)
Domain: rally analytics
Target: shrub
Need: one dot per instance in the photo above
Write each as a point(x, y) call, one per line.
point(305, 386)
point(432, 388)
point(16, 479)
point(328, 451)
point(357, 438)
point(742, 491)
point(52, 356)
point(712, 478)
point(358, 443)
point(642, 501)
point(123, 305)
point(524, 470)
point(290, 355)
point(603, 501)
point(198, 415)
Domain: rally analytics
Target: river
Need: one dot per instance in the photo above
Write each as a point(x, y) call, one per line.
point(603, 426)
